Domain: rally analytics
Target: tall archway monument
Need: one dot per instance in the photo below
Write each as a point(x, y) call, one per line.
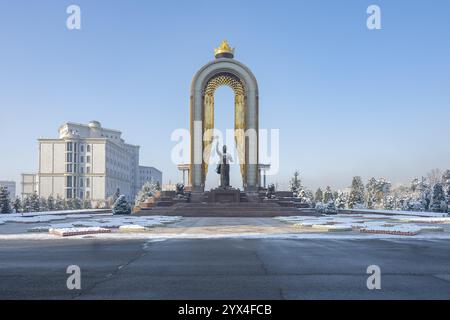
point(224, 70)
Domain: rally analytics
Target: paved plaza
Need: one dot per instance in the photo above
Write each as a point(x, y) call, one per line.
point(225, 269)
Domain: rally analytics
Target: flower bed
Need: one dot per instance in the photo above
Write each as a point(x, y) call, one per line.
point(390, 230)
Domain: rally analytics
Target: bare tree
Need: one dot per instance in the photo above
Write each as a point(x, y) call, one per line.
point(434, 176)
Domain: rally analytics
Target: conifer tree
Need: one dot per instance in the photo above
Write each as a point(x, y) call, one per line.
point(121, 206)
point(356, 198)
point(318, 197)
point(295, 184)
point(50, 203)
point(5, 201)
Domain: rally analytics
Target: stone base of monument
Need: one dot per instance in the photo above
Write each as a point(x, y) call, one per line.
point(222, 202)
point(224, 195)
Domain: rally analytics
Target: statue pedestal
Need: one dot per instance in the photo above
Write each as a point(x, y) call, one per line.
point(225, 195)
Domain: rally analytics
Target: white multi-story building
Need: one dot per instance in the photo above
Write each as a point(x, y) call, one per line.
point(88, 162)
point(11, 186)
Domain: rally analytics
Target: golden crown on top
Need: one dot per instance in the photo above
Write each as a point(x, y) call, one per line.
point(224, 49)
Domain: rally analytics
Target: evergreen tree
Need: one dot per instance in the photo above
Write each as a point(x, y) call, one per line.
point(77, 204)
point(50, 203)
point(5, 201)
point(341, 200)
point(328, 195)
point(121, 206)
point(371, 188)
point(389, 203)
point(17, 205)
point(69, 204)
point(59, 203)
point(295, 184)
point(306, 197)
point(438, 200)
point(446, 183)
point(147, 190)
point(319, 195)
point(26, 204)
point(356, 198)
point(383, 189)
point(42, 204)
point(335, 195)
point(34, 202)
point(87, 204)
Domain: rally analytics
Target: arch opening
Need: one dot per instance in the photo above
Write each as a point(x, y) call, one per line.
point(224, 97)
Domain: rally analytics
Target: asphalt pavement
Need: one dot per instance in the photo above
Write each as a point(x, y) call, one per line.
point(225, 269)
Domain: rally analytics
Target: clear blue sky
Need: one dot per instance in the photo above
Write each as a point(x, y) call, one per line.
point(348, 101)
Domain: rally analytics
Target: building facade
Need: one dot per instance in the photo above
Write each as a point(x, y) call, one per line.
point(88, 162)
point(29, 184)
point(11, 186)
point(148, 174)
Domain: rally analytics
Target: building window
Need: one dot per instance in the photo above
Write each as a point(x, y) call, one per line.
point(82, 148)
point(88, 195)
point(69, 181)
point(69, 168)
point(69, 146)
point(82, 169)
point(88, 159)
point(88, 183)
point(68, 157)
point(81, 182)
point(88, 169)
point(81, 194)
point(69, 193)
point(88, 148)
point(82, 159)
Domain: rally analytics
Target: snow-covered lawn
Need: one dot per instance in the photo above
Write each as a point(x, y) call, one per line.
point(369, 223)
point(38, 217)
point(69, 223)
point(122, 223)
point(443, 220)
point(403, 213)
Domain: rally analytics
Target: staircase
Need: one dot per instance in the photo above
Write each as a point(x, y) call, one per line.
point(242, 209)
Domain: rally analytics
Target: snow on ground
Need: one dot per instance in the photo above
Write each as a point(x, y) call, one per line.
point(404, 213)
point(443, 220)
point(63, 212)
point(369, 223)
point(283, 236)
point(68, 232)
point(132, 228)
point(113, 222)
point(37, 217)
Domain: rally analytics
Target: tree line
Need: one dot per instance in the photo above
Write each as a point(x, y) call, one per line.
point(430, 193)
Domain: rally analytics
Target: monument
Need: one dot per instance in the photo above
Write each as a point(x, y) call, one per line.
point(224, 193)
point(190, 197)
point(223, 168)
point(224, 70)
